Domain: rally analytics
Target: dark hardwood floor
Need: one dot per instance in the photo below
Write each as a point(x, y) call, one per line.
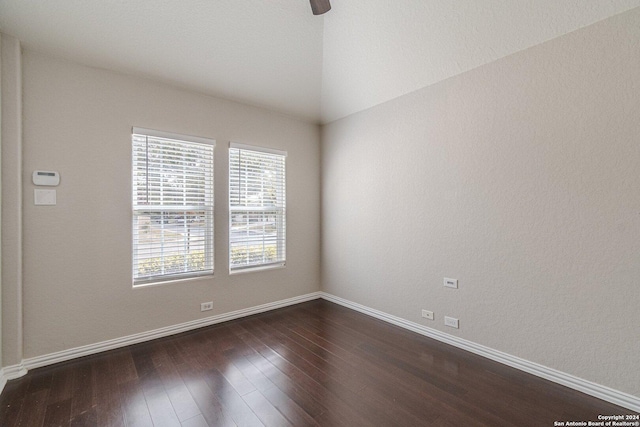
point(313, 364)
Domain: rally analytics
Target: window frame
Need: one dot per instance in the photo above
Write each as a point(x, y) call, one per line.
point(208, 209)
point(281, 241)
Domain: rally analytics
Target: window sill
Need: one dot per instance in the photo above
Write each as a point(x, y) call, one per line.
point(257, 269)
point(144, 285)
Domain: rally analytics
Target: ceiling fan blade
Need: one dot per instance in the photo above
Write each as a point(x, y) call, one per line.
point(320, 6)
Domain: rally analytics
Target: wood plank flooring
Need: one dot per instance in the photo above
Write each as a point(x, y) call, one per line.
point(313, 364)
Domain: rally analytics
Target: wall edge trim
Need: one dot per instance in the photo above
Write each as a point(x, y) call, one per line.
point(596, 390)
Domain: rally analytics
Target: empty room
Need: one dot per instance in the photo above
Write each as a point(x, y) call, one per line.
point(320, 213)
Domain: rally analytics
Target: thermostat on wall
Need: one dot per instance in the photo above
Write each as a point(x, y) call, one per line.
point(49, 178)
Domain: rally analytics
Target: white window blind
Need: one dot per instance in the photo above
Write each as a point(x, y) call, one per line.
point(172, 206)
point(257, 207)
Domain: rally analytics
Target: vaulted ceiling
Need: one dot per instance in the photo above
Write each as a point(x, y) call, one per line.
point(276, 54)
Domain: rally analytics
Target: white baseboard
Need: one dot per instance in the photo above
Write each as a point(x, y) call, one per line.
point(86, 350)
point(601, 392)
point(10, 373)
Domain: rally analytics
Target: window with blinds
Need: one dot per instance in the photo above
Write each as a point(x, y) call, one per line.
point(257, 208)
point(172, 206)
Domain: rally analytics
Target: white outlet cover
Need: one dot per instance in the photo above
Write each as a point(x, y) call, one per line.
point(427, 314)
point(451, 322)
point(450, 283)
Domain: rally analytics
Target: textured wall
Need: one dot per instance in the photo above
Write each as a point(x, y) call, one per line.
point(520, 179)
point(77, 254)
point(11, 138)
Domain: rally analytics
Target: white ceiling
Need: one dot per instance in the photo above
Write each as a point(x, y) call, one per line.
point(377, 50)
point(276, 54)
point(266, 53)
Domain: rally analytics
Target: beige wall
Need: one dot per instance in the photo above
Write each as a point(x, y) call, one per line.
point(519, 178)
point(1, 365)
point(11, 131)
point(77, 254)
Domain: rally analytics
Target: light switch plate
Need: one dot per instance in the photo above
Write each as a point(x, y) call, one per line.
point(44, 197)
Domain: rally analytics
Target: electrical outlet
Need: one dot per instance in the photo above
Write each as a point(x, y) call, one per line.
point(451, 283)
point(205, 306)
point(451, 321)
point(427, 314)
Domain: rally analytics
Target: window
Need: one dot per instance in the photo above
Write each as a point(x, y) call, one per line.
point(257, 214)
point(172, 206)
